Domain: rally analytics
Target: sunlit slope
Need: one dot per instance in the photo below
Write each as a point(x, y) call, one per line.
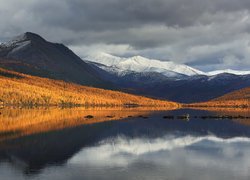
point(239, 98)
point(21, 89)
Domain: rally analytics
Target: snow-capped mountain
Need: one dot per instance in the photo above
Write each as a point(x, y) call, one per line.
point(140, 64)
point(166, 79)
point(228, 71)
point(122, 66)
point(17, 41)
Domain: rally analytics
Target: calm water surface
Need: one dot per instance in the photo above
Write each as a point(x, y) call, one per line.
point(139, 145)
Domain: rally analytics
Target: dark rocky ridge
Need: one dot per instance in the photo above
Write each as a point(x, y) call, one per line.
point(31, 54)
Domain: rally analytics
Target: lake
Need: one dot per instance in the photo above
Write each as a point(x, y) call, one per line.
point(58, 144)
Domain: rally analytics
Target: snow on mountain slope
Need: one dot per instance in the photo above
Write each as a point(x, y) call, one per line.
point(104, 58)
point(229, 71)
point(142, 64)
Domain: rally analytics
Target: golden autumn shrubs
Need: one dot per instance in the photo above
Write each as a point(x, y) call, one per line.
point(239, 98)
point(25, 90)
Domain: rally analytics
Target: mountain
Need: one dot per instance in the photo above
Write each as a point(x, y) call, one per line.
point(188, 90)
point(120, 66)
point(166, 80)
point(237, 98)
point(20, 89)
point(31, 54)
point(229, 71)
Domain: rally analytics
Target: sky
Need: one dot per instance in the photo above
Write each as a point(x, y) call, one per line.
point(208, 34)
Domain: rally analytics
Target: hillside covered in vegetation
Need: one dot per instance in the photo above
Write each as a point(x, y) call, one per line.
point(239, 98)
point(25, 90)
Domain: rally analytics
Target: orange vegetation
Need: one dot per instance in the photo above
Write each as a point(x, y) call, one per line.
point(20, 89)
point(239, 98)
point(16, 122)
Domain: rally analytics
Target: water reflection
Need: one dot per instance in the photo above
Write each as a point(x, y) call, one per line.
point(143, 145)
point(15, 122)
point(242, 114)
point(168, 157)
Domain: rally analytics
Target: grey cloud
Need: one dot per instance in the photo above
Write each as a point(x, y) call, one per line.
point(187, 31)
point(111, 14)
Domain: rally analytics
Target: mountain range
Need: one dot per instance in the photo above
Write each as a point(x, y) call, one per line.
point(166, 79)
point(31, 54)
point(139, 64)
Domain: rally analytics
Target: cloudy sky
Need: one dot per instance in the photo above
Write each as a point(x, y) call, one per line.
point(208, 35)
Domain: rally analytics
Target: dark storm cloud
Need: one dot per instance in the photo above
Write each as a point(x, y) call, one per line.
point(187, 31)
point(101, 15)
